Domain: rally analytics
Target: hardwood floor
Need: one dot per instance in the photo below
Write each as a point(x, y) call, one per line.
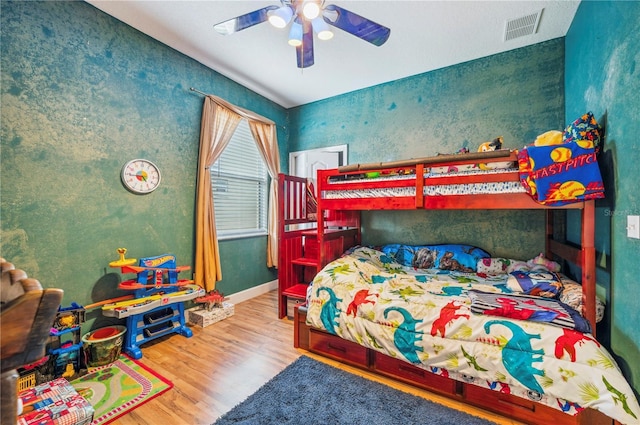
point(224, 363)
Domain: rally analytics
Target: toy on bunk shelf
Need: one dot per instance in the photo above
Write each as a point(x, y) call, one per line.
point(462, 151)
point(494, 145)
point(157, 306)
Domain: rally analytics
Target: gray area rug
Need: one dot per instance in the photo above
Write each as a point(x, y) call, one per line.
point(309, 392)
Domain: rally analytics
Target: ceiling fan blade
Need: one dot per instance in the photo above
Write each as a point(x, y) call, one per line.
point(245, 21)
point(304, 53)
point(355, 24)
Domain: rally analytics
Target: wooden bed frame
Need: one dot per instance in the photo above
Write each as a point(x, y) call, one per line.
point(304, 252)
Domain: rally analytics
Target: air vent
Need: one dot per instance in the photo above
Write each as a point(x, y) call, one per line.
point(519, 27)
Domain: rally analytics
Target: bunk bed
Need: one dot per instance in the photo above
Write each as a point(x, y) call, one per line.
point(349, 321)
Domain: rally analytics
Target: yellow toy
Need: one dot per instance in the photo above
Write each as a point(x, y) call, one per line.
point(551, 137)
point(122, 261)
point(493, 145)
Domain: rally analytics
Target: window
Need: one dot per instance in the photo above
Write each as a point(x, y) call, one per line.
point(239, 182)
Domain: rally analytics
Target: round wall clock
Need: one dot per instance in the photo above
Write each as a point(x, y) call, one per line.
point(140, 176)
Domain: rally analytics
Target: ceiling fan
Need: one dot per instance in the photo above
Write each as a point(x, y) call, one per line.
point(307, 17)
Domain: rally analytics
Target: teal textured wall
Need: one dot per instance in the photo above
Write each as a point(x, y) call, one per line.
point(603, 76)
point(82, 93)
point(517, 95)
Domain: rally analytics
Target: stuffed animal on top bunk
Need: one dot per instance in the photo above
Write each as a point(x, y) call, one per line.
point(561, 167)
point(493, 145)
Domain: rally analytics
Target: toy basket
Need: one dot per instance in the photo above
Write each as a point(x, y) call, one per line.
point(103, 346)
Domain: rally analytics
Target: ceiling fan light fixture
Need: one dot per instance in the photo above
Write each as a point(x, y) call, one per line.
point(311, 9)
point(295, 34)
point(318, 18)
point(281, 17)
point(322, 29)
point(330, 15)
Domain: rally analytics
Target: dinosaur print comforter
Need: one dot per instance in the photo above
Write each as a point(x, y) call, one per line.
point(424, 317)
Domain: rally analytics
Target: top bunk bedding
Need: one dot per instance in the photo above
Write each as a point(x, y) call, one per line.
point(445, 184)
point(441, 313)
point(533, 177)
point(499, 180)
point(558, 169)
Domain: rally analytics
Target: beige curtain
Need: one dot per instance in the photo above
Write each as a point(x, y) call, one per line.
point(217, 127)
point(219, 121)
point(267, 141)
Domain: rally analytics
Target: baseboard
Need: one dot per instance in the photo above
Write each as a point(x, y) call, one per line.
point(253, 292)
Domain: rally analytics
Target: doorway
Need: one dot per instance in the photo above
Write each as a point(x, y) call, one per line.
point(306, 163)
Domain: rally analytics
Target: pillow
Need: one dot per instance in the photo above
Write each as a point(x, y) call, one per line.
point(584, 128)
point(500, 265)
point(538, 283)
point(571, 295)
point(547, 264)
point(456, 257)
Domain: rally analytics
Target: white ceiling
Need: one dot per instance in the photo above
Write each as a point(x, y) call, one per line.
point(425, 35)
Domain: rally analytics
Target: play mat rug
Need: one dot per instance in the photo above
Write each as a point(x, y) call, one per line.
point(119, 387)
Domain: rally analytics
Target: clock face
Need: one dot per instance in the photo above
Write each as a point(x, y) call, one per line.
point(140, 176)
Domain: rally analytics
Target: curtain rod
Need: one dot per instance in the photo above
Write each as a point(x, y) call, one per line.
point(205, 94)
point(198, 91)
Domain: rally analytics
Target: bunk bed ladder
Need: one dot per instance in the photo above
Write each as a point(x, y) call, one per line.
point(296, 238)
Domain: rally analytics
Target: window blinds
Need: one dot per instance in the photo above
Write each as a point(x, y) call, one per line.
point(239, 181)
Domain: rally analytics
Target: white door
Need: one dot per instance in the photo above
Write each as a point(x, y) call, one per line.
point(315, 161)
point(307, 163)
